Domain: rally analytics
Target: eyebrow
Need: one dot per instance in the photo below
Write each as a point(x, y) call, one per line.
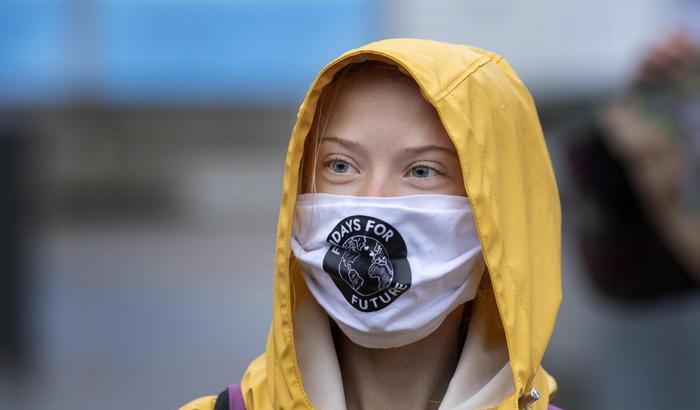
point(410, 151)
point(345, 143)
point(349, 144)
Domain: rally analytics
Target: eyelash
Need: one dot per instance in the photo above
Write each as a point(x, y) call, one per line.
point(329, 164)
point(414, 166)
point(337, 159)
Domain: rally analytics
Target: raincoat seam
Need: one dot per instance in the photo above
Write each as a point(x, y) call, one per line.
point(509, 271)
point(507, 266)
point(471, 68)
point(297, 145)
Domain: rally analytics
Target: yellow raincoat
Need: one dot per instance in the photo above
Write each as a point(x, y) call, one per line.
point(492, 121)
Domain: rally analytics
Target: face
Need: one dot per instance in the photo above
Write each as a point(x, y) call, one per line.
point(383, 139)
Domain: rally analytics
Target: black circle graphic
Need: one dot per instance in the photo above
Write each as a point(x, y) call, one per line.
point(367, 262)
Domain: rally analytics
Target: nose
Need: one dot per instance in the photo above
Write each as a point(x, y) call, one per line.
point(379, 186)
point(377, 191)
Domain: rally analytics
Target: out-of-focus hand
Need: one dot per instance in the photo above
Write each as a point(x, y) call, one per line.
point(668, 60)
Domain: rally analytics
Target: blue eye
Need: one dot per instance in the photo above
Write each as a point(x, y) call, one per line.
point(339, 166)
point(423, 171)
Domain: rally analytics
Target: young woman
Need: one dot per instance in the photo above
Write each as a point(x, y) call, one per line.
point(418, 248)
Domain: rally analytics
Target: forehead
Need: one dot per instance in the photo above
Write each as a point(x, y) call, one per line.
point(383, 106)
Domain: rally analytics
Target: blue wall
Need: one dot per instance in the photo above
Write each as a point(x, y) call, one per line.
point(174, 51)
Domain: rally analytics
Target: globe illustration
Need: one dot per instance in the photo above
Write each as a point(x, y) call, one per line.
point(365, 265)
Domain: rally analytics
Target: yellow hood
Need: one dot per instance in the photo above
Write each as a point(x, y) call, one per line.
point(491, 119)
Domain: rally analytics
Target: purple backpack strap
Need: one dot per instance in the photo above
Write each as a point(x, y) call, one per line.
point(235, 397)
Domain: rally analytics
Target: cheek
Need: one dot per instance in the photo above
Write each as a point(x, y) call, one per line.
point(307, 175)
point(457, 188)
point(454, 185)
point(324, 185)
point(353, 187)
point(306, 178)
point(458, 183)
point(441, 186)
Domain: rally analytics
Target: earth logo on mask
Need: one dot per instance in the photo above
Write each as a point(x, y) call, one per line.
point(367, 262)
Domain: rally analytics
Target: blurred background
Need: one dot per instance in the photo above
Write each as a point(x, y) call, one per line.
point(141, 157)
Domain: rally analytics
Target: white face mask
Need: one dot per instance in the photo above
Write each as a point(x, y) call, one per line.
point(387, 270)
